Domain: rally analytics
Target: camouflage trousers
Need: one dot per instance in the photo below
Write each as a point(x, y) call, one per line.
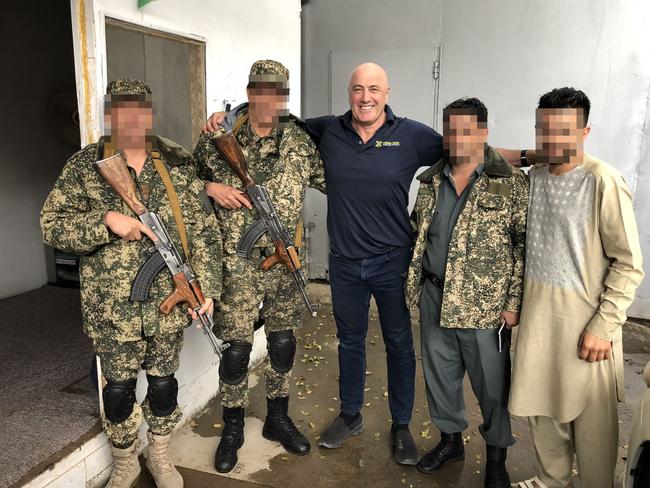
point(245, 286)
point(159, 356)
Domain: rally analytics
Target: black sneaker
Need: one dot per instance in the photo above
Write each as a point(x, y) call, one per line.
point(404, 450)
point(337, 432)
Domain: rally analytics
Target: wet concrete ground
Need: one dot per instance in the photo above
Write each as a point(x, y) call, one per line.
point(365, 460)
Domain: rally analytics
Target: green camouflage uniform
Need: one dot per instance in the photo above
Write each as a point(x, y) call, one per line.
point(286, 162)
point(484, 272)
point(129, 335)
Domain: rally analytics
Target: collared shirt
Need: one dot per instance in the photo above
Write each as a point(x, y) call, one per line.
point(448, 207)
point(144, 180)
point(368, 184)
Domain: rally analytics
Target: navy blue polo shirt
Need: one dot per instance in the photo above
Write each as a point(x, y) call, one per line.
point(368, 184)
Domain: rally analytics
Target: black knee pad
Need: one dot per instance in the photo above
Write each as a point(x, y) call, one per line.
point(119, 397)
point(234, 363)
point(282, 349)
point(161, 394)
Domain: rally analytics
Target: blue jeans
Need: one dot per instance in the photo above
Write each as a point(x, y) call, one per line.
point(353, 282)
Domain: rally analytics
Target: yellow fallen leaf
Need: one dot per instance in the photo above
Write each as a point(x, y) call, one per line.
point(312, 425)
point(216, 426)
point(424, 433)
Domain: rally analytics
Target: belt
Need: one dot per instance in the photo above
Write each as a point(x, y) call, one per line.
point(433, 279)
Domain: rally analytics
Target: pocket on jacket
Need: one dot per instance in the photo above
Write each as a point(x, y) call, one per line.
point(490, 201)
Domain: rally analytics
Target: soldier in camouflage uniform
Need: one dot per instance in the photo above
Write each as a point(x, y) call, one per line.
point(85, 216)
point(281, 157)
point(467, 272)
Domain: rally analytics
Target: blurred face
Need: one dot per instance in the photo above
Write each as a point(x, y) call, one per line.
point(464, 138)
point(129, 121)
point(269, 104)
point(368, 94)
point(559, 135)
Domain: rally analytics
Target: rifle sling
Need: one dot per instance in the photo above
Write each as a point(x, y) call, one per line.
point(241, 120)
point(299, 230)
point(161, 169)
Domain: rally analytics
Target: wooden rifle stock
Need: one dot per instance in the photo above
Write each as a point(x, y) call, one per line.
point(116, 173)
point(229, 149)
point(184, 292)
point(285, 255)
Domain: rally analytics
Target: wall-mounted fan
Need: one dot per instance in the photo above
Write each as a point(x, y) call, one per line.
point(62, 117)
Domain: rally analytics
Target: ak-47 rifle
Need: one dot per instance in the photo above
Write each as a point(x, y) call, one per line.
point(268, 221)
point(164, 254)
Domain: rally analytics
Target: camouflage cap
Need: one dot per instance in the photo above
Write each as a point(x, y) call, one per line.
point(128, 87)
point(267, 70)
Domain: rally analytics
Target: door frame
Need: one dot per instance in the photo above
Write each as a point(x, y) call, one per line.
point(89, 42)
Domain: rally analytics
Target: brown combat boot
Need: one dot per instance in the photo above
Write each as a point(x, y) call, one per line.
point(126, 468)
point(159, 465)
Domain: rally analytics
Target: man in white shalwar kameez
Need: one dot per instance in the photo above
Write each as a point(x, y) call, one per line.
point(583, 265)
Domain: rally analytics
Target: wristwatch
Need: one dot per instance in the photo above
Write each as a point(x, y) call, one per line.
point(523, 160)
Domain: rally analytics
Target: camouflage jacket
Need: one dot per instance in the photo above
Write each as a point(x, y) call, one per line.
point(72, 219)
point(286, 163)
point(485, 263)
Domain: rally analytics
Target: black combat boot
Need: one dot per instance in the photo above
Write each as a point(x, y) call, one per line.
point(449, 449)
point(232, 438)
point(279, 427)
point(496, 475)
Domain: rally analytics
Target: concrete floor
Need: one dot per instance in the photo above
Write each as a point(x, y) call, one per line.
point(365, 460)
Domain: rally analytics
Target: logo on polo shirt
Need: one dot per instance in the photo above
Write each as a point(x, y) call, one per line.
point(386, 143)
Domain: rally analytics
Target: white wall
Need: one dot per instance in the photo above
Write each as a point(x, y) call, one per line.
point(343, 25)
point(509, 53)
point(236, 34)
